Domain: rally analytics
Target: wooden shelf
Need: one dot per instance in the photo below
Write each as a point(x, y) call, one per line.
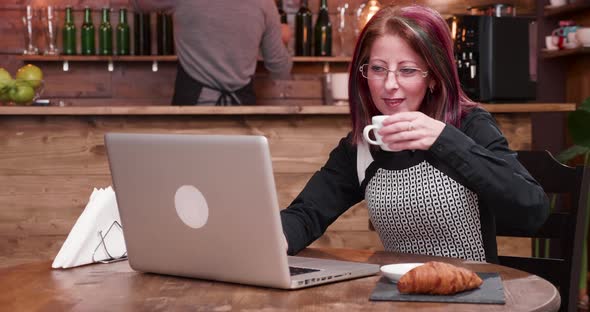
point(571, 8)
point(248, 110)
point(98, 58)
point(322, 59)
point(546, 54)
point(160, 58)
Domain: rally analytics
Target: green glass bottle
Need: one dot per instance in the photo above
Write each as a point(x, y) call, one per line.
point(303, 30)
point(123, 33)
point(87, 34)
point(69, 34)
point(105, 34)
point(164, 34)
point(323, 32)
point(142, 33)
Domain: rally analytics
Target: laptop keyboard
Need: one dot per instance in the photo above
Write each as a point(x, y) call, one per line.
point(297, 271)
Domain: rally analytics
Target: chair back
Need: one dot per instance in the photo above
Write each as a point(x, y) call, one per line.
point(558, 261)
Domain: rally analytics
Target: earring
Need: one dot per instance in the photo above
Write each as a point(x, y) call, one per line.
point(431, 89)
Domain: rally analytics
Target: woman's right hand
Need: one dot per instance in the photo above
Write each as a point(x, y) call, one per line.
point(410, 131)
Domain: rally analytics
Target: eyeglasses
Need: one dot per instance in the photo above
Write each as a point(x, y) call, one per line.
point(403, 74)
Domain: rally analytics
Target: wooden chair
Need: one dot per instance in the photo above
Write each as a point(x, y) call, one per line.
point(567, 187)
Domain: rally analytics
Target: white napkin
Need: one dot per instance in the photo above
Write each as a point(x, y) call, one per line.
point(96, 235)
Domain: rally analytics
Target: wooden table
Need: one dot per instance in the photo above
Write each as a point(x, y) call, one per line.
point(116, 287)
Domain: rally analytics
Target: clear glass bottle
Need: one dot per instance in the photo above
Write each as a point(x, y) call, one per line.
point(123, 33)
point(346, 28)
point(323, 32)
point(105, 34)
point(87, 34)
point(303, 30)
point(69, 34)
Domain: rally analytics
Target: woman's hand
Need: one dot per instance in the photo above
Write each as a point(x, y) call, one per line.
point(410, 131)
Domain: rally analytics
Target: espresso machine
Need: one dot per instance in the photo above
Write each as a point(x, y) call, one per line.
point(495, 57)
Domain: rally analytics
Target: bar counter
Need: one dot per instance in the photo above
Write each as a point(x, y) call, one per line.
point(247, 110)
point(51, 158)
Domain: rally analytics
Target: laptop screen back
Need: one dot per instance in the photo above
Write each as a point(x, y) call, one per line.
point(201, 206)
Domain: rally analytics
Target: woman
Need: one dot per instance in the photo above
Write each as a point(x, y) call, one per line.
point(451, 178)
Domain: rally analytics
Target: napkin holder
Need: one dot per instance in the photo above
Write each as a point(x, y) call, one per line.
point(97, 235)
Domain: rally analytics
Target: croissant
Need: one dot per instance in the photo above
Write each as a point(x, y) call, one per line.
point(438, 278)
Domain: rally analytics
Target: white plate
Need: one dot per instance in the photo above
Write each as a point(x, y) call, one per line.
point(395, 271)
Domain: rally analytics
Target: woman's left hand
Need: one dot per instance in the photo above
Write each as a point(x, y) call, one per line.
point(410, 131)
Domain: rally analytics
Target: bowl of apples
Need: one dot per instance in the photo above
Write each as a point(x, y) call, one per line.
point(24, 89)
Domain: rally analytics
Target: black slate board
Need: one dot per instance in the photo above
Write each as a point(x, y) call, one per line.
point(490, 292)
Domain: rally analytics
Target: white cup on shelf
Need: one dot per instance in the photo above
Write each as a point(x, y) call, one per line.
point(557, 3)
point(550, 43)
point(583, 36)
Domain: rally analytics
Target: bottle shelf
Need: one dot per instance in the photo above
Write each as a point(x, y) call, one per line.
point(154, 59)
point(98, 58)
point(547, 54)
point(159, 58)
point(110, 59)
point(566, 9)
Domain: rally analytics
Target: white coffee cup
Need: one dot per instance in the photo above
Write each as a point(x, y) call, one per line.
point(550, 43)
point(377, 123)
point(583, 36)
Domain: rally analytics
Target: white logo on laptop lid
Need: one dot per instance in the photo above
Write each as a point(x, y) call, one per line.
point(191, 206)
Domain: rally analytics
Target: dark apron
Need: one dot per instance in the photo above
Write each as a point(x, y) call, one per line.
point(187, 92)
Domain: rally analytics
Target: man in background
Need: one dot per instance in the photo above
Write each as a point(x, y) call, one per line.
point(218, 44)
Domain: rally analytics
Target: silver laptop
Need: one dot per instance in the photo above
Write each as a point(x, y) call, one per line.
point(205, 206)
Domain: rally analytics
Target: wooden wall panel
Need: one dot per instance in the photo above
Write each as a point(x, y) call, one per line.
point(11, 30)
point(83, 80)
point(517, 129)
point(292, 89)
point(136, 80)
point(65, 151)
point(578, 79)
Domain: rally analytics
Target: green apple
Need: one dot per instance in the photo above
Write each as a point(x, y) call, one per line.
point(31, 74)
point(22, 93)
point(4, 95)
point(4, 75)
point(6, 84)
